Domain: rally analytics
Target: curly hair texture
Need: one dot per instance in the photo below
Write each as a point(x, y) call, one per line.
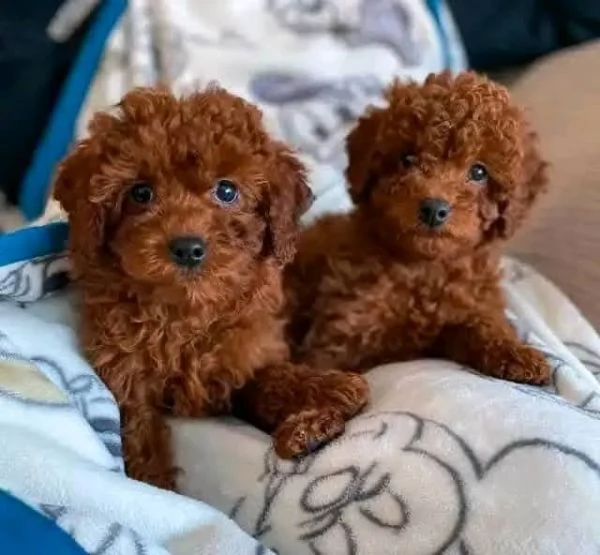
point(183, 213)
point(440, 177)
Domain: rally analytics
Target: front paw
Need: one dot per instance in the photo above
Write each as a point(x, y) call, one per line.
point(332, 397)
point(155, 475)
point(303, 433)
point(345, 392)
point(525, 364)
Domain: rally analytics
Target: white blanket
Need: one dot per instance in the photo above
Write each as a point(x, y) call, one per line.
point(443, 461)
point(60, 447)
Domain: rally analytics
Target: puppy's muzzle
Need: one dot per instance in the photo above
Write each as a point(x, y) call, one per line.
point(434, 212)
point(187, 252)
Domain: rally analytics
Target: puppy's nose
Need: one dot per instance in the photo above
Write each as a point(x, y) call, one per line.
point(187, 252)
point(433, 212)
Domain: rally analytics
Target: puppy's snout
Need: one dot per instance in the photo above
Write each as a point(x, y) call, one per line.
point(187, 252)
point(433, 212)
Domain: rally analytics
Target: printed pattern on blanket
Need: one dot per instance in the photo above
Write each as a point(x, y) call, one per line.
point(60, 446)
point(443, 461)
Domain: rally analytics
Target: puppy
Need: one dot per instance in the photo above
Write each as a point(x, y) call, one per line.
point(440, 178)
point(183, 213)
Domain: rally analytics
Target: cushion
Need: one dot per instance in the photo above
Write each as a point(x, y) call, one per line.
point(562, 239)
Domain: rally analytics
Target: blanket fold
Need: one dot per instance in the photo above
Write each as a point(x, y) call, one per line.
point(60, 446)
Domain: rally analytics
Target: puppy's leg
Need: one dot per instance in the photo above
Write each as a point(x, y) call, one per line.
point(144, 430)
point(147, 445)
point(350, 335)
point(491, 345)
point(303, 407)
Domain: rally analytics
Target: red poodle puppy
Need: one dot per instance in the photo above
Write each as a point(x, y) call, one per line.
point(440, 177)
point(183, 213)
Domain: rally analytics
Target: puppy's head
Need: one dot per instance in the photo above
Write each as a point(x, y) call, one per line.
point(185, 199)
point(445, 167)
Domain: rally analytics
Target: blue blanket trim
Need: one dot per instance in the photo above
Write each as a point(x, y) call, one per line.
point(33, 242)
point(59, 131)
point(24, 531)
point(435, 7)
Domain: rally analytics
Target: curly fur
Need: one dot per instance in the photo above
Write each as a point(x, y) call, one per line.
point(375, 285)
point(193, 343)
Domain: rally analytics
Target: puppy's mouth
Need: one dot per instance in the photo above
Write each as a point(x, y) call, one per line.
point(421, 230)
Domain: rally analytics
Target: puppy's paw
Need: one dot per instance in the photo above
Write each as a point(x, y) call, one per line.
point(332, 397)
point(161, 478)
point(525, 364)
point(345, 391)
point(303, 433)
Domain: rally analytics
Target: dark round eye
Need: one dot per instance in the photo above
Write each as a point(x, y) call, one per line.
point(226, 191)
point(478, 173)
point(141, 193)
point(409, 160)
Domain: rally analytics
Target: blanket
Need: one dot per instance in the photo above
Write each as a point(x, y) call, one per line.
point(311, 65)
point(60, 445)
point(444, 460)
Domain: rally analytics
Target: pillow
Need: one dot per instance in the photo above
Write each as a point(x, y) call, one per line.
point(562, 240)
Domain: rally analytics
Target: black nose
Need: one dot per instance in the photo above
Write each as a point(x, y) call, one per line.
point(187, 252)
point(434, 211)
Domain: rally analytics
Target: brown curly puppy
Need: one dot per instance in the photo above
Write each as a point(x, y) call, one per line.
point(440, 177)
point(183, 213)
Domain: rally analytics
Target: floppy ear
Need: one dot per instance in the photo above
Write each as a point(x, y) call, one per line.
point(73, 184)
point(531, 182)
point(361, 149)
point(288, 198)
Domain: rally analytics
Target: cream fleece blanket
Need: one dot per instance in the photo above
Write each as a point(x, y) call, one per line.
point(443, 461)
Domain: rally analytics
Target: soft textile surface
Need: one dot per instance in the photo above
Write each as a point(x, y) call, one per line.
point(562, 92)
point(443, 460)
point(60, 450)
point(311, 66)
point(25, 531)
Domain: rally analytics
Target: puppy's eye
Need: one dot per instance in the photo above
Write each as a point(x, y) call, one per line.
point(226, 191)
point(141, 193)
point(478, 173)
point(409, 160)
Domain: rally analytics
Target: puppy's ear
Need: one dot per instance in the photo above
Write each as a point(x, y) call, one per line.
point(361, 149)
point(531, 182)
point(288, 198)
point(73, 184)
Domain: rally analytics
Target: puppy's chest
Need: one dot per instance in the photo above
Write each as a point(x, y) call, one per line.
point(423, 298)
point(175, 350)
point(238, 349)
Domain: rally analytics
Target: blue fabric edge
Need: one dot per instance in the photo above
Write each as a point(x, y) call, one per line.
point(33, 242)
point(25, 531)
point(435, 8)
point(59, 131)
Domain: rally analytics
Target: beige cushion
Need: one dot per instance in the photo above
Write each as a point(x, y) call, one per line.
point(562, 239)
